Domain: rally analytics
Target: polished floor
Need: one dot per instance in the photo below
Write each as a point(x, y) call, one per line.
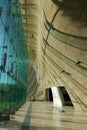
point(43, 116)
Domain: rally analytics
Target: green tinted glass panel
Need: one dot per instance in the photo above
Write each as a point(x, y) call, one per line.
point(13, 57)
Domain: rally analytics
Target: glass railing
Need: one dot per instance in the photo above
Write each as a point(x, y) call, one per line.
point(13, 58)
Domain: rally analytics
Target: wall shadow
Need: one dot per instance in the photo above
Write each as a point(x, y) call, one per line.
point(76, 10)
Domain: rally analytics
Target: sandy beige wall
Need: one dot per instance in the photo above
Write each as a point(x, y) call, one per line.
point(64, 49)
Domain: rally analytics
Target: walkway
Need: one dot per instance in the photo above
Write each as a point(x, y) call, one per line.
point(42, 116)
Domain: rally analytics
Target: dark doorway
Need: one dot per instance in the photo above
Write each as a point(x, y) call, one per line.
point(49, 96)
point(66, 97)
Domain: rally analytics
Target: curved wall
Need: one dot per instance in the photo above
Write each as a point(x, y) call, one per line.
point(64, 48)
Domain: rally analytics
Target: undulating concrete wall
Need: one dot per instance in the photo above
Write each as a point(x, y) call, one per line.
point(64, 48)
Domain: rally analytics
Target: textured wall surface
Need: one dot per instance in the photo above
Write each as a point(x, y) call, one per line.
point(64, 48)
